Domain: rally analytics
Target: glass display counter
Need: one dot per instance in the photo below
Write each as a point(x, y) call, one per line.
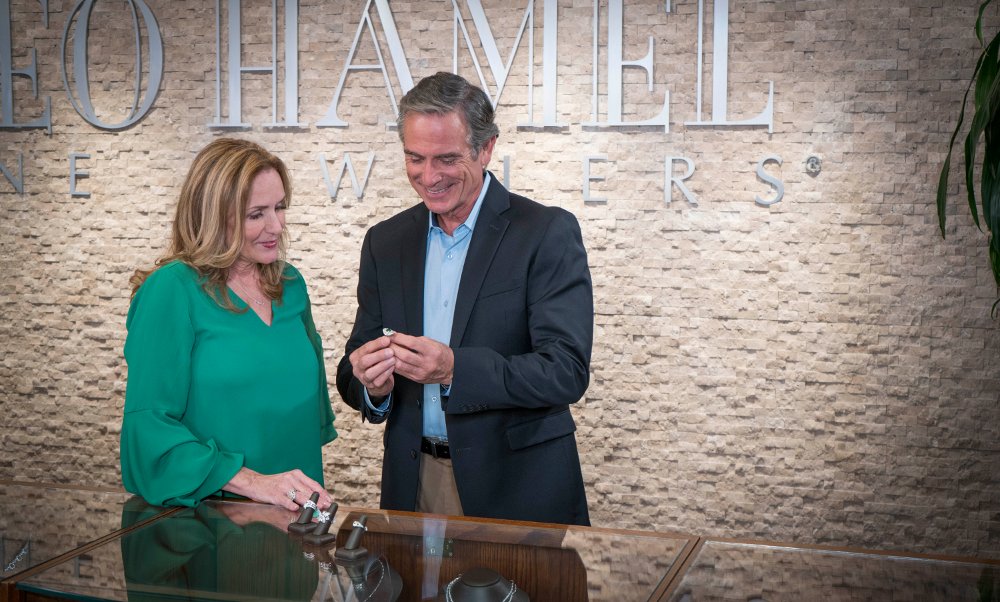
point(92, 545)
point(755, 572)
point(43, 524)
point(226, 550)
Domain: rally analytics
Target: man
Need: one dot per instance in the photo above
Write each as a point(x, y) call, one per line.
point(487, 303)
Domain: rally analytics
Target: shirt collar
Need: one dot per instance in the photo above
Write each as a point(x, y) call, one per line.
point(470, 222)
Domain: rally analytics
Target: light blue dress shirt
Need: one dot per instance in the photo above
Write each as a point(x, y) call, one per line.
point(442, 276)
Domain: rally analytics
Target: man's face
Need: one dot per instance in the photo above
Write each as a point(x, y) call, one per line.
point(440, 165)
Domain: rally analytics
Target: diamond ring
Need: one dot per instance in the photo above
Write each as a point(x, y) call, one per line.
point(291, 494)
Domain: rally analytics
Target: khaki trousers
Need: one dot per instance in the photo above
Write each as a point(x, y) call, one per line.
point(436, 491)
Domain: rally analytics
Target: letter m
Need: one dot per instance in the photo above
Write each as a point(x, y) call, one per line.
point(499, 70)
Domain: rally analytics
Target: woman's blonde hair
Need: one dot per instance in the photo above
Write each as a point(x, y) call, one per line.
point(211, 207)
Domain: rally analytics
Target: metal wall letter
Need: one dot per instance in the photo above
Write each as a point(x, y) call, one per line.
point(17, 183)
point(7, 73)
point(359, 187)
point(83, 105)
point(291, 65)
point(235, 68)
point(616, 65)
point(74, 175)
point(550, 60)
point(499, 70)
point(669, 180)
point(779, 186)
point(587, 179)
point(331, 119)
point(720, 73)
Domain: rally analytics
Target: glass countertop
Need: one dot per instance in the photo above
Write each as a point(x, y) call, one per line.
point(39, 523)
point(773, 573)
point(242, 551)
point(230, 550)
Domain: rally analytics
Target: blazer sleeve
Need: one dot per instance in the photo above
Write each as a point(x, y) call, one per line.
point(367, 327)
point(161, 459)
point(560, 323)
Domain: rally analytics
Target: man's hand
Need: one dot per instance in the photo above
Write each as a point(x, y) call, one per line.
point(372, 364)
point(423, 360)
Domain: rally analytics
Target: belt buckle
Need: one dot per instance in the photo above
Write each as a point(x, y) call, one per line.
point(439, 447)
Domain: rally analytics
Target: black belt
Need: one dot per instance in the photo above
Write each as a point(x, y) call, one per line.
point(438, 449)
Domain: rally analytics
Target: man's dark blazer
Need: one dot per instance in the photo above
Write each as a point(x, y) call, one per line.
point(522, 338)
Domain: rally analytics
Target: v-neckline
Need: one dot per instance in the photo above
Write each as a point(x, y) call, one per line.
point(250, 308)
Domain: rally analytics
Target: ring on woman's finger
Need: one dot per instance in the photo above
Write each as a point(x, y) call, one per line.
point(291, 494)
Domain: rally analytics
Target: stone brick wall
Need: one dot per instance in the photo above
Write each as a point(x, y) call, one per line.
point(722, 571)
point(820, 370)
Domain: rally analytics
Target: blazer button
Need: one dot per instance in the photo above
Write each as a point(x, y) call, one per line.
point(413, 454)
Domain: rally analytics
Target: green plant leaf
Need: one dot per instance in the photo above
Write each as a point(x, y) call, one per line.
point(990, 189)
point(979, 20)
point(984, 126)
point(942, 189)
point(990, 176)
point(985, 103)
point(995, 258)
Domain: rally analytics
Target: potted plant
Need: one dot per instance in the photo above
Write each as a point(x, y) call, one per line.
point(985, 125)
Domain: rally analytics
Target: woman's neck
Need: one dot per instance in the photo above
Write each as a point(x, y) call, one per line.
point(243, 272)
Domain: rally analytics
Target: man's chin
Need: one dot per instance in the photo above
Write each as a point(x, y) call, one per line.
point(436, 205)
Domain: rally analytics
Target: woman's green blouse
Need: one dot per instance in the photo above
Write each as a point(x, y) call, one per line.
point(210, 390)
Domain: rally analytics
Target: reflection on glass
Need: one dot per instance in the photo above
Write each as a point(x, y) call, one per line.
point(730, 571)
point(547, 563)
point(228, 550)
point(368, 578)
point(38, 523)
point(15, 554)
point(429, 553)
point(225, 550)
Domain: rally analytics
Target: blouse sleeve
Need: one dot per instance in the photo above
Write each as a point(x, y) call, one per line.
point(161, 459)
point(327, 431)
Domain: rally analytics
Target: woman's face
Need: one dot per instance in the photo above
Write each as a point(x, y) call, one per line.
point(264, 220)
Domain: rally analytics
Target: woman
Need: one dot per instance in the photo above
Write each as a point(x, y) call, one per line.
point(226, 387)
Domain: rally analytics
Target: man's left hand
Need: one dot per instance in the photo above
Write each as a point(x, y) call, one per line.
point(423, 360)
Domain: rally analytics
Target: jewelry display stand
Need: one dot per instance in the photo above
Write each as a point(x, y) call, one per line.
point(352, 550)
point(482, 585)
point(304, 523)
point(321, 535)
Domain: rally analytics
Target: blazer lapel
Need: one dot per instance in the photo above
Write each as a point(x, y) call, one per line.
point(412, 253)
point(490, 228)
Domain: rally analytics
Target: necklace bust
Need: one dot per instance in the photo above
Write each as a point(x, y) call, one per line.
point(483, 585)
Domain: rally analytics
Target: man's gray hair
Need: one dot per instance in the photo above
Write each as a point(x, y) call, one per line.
point(445, 92)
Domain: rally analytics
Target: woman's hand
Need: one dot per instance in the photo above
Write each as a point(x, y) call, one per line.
point(243, 514)
point(276, 488)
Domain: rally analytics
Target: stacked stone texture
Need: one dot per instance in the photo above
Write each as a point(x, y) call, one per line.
point(738, 572)
point(39, 524)
point(821, 370)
